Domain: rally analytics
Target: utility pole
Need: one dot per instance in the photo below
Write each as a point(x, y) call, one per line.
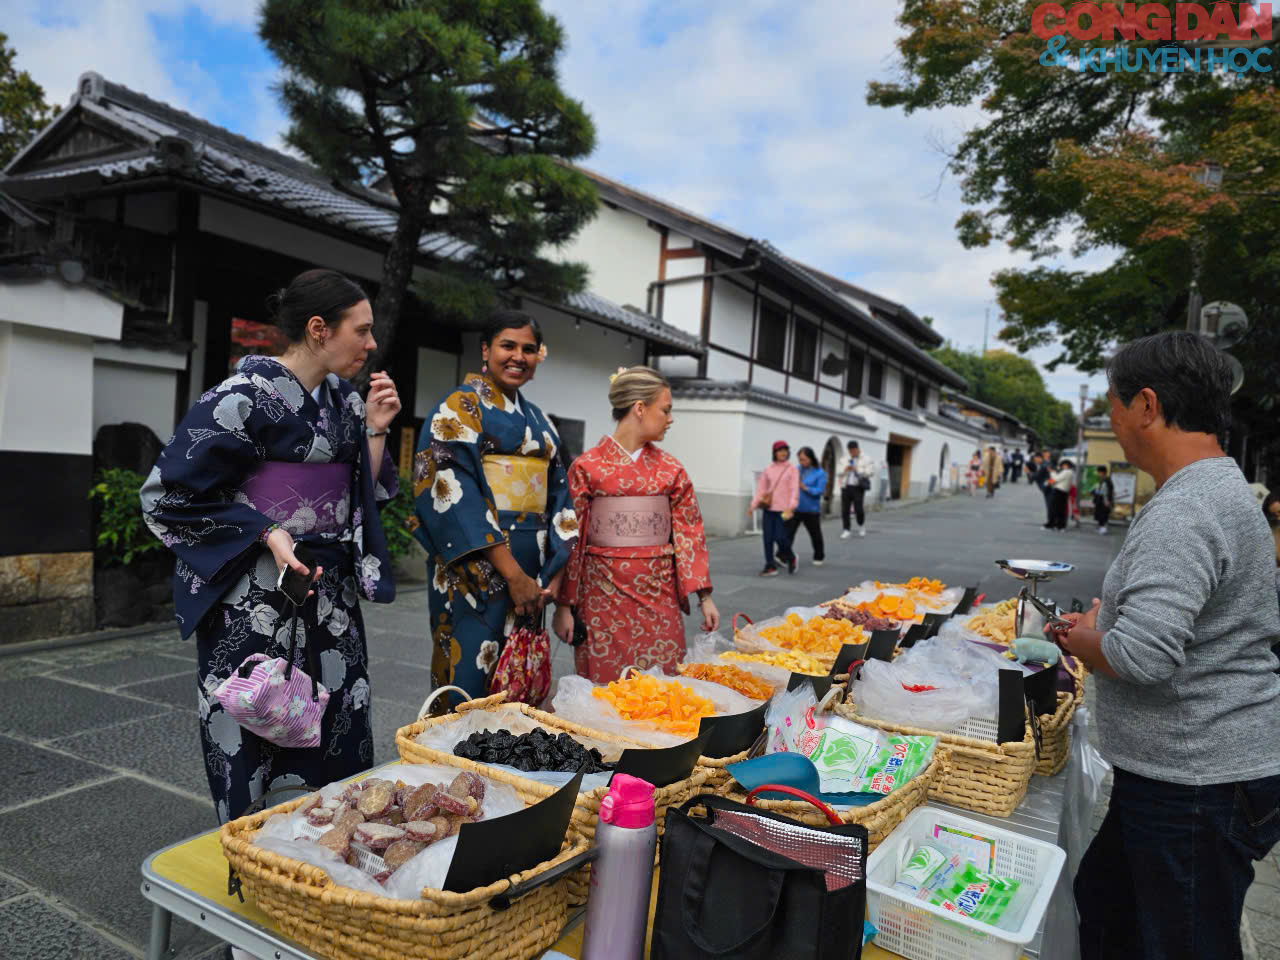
point(1084, 398)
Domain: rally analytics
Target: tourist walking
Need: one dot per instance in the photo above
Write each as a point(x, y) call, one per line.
point(1187, 695)
point(1060, 484)
point(493, 507)
point(279, 454)
point(1040, 472)
point(855, 472)
point(777, 494)
point(992, 467)
point(813, 486)
point(641, 553)
point(1017, 460)
point(975, 472)
point(1104, 498)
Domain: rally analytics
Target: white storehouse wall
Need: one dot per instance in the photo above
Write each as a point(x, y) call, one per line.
point(622, 251)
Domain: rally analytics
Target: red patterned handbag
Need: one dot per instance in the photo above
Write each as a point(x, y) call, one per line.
point(524, 668)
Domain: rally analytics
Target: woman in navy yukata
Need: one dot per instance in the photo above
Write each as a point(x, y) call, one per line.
point(277, 454)
point(493, 506)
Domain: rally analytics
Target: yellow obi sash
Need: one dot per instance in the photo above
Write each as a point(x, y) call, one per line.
point(519, 484)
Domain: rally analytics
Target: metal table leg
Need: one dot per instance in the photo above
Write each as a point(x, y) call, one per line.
point(161, 919)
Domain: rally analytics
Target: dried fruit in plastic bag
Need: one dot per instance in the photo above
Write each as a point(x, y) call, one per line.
point(468, 784)
point(667, 704)
point(348, 818)
point(463, 806)
point(401, 852)
point(375, 800)
point(320, 816)
point(423, 831)
point(420, 804)
point(377, 836)
point(337, 839)
point(735, 678)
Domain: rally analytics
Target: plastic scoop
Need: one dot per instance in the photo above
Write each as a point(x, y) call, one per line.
point(791, 770)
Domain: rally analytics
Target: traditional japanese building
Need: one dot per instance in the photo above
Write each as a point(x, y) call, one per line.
point(138, 247)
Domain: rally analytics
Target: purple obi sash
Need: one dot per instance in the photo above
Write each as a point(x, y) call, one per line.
point(304, 498)
point(629, 522)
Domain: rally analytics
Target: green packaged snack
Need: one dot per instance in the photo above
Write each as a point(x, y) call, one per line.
point(852, 758)
point(980, 896)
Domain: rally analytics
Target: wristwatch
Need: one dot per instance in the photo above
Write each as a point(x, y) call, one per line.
point(370, 432)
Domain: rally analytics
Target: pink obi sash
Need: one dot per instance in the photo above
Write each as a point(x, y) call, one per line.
point(629, 522)
point(301, 497)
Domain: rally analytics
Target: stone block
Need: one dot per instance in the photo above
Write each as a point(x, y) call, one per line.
point(44, 708)
point(19, 579)
point(35, 930)
point(49, 618)
point(65, 576)
point(34, 772)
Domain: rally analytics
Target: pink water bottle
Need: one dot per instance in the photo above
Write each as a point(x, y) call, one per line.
point(622, 874)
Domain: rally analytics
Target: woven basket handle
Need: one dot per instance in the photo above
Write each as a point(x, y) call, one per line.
point(431, 698)
point(744, 617)
point(832, 817)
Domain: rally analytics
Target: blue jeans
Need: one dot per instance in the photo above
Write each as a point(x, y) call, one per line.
point(775, 533)
point(1166, 875)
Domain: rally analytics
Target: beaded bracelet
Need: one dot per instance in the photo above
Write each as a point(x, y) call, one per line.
point(267, 532)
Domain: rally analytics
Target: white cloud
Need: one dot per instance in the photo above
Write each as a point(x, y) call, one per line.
point(754, 115)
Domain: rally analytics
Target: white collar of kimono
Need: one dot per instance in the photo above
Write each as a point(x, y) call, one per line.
point(315, 394)
point(635, 456)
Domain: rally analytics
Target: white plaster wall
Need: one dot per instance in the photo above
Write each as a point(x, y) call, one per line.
point(47, 389)
point(438, 373)
point(678, 366)
point(574, 381)
point(621, 250)
point(134, 393)
point(706, 437)
point(769, 379)
point(731, 312)
point(682, 302)
point(721, 366)
point(55, 305)
point(259, 230)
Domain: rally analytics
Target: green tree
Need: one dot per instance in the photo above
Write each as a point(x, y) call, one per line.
point(454, 105)
point(1013, 384)
point(1118, 162)
point(23, 111)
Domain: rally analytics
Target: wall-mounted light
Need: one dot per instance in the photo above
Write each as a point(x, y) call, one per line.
point(577, 324)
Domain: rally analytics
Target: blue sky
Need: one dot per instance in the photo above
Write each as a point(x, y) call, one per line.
point(750, 112)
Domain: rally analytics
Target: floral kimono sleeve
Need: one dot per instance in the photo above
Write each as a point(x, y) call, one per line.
point(453, 503)
point(579, 485)
point(189, 501)
point(563, 532)
point(692, 562)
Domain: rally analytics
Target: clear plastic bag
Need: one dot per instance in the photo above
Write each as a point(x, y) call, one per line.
point(707, 647)
point(287, 834)
point(965, 678)
point(1086, 772)
point(574, 701)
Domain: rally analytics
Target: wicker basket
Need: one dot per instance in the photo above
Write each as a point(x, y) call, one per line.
point(345, 924)
point(981, 776)
point(879, 818)
point(587, 809)
point(1055, 735)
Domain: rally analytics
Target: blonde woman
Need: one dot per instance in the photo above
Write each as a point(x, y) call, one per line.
point(641, 552)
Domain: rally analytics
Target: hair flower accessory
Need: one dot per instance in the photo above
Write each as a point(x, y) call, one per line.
point(614, 376)
point(542, 353)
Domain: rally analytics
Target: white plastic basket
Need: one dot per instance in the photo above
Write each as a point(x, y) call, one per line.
point(921, 931)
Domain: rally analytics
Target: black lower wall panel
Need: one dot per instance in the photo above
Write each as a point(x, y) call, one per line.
point(44, 502)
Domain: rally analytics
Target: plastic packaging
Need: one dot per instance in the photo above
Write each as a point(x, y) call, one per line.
point(922, 870)
point(443, 736)
point(622, 874)
point(984, 897)
point(707, 647)
point(1086, 772)
point(849, 757)
point(574, 701)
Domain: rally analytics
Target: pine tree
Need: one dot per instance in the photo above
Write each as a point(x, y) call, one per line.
point(23, 111)
point(455, 106)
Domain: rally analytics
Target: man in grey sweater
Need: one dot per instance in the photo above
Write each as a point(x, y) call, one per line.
point(1188, 704)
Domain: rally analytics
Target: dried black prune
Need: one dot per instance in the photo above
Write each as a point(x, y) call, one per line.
point(536, 750)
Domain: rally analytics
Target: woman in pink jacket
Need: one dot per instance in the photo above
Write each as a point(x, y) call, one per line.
point(778, 492)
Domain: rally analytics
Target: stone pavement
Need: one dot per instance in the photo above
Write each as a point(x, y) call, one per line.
point(100, 749)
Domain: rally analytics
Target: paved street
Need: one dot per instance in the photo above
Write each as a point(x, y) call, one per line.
point(100, 748)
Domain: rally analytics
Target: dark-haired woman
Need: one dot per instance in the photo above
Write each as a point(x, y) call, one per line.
point(493, 507)
point(813, 484)
point(277, 454)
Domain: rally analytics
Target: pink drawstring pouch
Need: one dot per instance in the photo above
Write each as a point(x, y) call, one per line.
point(272, 698)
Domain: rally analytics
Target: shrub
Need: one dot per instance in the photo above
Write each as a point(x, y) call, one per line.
point(122, 533)
point(397, 513)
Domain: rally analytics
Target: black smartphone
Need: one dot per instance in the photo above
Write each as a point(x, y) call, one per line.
point(293, 584)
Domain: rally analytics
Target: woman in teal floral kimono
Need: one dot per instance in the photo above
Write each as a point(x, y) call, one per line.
point(493, 507)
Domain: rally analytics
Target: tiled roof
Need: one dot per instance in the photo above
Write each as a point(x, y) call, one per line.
point(592, 306)
point(741, 390)
point(173, 142)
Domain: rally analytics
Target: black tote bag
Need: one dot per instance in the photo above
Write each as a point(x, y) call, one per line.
point(745, 884)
